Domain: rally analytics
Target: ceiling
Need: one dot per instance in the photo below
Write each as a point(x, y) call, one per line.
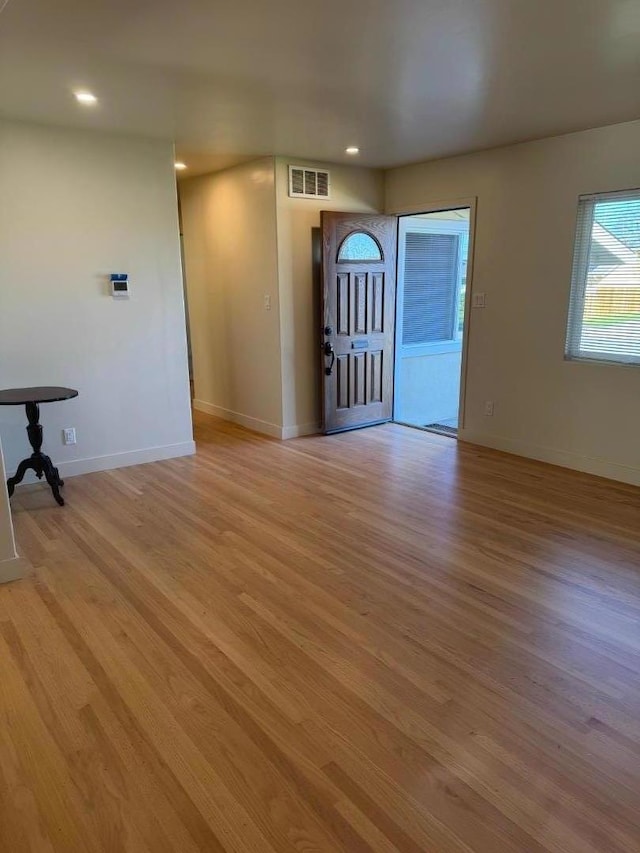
point(405, 80)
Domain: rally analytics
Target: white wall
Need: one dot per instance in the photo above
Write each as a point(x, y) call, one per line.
point(585, 416)
point(231, 264)
point(74, 207)
point(352, 189)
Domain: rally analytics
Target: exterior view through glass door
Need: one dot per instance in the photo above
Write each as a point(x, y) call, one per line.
point(433, 250)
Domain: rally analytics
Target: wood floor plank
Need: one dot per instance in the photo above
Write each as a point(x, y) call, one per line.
point(370, 642)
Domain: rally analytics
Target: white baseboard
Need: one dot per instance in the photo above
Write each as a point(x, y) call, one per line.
point(117, 460)
point(301, 429)
point(123, 460)
point(565, 458)
point(13, 569)
point(257, 425)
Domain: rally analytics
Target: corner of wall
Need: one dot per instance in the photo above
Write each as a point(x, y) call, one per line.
point(8, 554)
point(231, 265)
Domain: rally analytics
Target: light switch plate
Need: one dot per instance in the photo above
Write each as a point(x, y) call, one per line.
point(479, 300)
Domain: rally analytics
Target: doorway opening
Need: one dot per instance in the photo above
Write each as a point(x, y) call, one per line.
point(433, 255)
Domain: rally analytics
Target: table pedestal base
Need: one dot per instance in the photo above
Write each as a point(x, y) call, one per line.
point(43, 466)
point(37, 462)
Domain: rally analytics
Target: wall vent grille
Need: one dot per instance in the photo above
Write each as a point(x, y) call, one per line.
point(308, 183)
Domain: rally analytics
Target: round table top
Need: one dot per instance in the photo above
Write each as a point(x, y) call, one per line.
point(39, 394)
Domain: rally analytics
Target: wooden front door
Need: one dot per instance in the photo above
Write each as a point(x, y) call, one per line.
point(358, 315)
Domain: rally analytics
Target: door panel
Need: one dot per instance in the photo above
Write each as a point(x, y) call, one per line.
point(375, 368)
point(358, 314)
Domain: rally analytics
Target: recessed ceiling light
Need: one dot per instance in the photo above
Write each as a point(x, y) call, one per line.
point(180, 166)
point(86, 98)
point(353, 150)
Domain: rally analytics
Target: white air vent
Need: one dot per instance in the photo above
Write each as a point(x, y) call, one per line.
point(308, 183)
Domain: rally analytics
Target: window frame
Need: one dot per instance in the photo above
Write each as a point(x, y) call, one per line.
point(434, 226)
point(582, 246)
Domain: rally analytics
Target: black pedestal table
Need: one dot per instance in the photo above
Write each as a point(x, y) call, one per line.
point(31, 398)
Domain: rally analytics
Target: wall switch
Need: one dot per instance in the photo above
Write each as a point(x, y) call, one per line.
point(479, 300)
point(69, 435)
point(267, 302)
point(488, 408)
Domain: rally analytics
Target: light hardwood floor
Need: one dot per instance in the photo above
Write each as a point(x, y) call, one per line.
point(377, 641)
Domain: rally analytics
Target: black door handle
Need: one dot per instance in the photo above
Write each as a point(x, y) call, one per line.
point(329, 351)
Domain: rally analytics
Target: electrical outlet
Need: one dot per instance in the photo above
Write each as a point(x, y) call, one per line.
point(69, 435)
point(488, 408)
point(479, 300)
point(267, 302)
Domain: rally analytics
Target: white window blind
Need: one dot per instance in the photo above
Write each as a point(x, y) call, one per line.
point(604, 309)
point(430, 288)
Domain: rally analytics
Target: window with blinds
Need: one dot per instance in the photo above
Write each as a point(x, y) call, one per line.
point(604, 309)
point(431, 274)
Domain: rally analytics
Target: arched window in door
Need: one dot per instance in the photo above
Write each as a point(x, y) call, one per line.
point(359, 246)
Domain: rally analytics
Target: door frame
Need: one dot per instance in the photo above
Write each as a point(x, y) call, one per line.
point(438, 206)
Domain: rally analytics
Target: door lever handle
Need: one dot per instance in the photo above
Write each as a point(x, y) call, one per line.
point(329, 351)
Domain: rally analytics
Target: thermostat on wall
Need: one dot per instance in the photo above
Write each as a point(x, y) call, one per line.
point(119, 285)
